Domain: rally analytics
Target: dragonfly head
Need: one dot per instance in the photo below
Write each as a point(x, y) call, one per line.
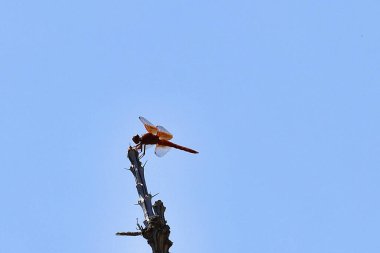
point(136, 139)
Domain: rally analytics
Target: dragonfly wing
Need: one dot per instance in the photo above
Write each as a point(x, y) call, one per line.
point(161, 150)
point(163, 134)
point(149, 126)
point(147, 146)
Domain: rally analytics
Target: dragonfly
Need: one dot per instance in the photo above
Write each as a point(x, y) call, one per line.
point(159, 136)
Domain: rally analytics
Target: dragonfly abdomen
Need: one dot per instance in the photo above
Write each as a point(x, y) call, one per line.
point(173, 145)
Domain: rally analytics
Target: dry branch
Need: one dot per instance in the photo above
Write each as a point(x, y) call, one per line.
point(156, 230)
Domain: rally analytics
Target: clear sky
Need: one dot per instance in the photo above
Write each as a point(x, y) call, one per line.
point(281, 99)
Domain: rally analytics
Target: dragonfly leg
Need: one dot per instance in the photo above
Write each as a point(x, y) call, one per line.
point(143, 151)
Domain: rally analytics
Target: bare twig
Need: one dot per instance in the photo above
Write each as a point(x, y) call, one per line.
point(129, 233)
point(156, 231)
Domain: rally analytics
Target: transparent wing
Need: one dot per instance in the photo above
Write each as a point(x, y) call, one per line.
point(149, 126)
point(164, 134)
point(161, 150)
point(148, 146)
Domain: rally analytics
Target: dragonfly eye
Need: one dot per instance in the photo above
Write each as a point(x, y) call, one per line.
point(136, 139)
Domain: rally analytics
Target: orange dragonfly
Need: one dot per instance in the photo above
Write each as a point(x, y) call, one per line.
point(159, 136)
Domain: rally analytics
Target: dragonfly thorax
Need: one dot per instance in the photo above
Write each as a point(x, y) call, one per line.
point(149, 138)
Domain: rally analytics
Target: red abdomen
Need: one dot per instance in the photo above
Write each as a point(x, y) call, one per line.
point(173, 145)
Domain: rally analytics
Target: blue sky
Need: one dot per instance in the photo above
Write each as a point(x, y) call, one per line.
point(281, 99)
